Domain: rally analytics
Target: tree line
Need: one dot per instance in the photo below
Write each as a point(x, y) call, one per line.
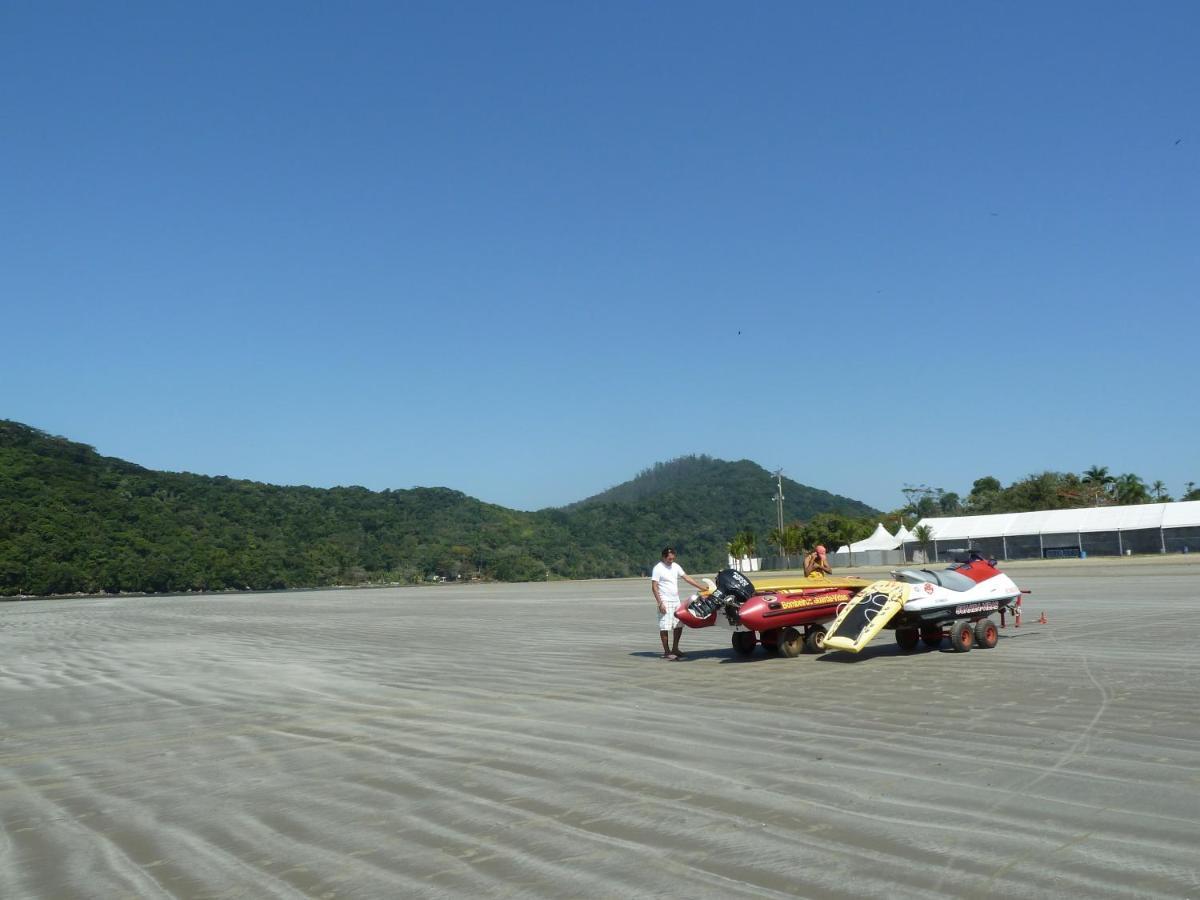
point(1095, 486)
point(73, 521)
point(830, 530)
point(1042, 491)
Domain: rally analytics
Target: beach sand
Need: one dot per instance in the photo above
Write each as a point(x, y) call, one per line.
point(527, 741)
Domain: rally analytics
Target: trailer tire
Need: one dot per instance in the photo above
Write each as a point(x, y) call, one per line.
point(791, 642)
point(814, 641)
point(962, 636)
point(932, 637)
point(907, 639)
point(744, 642)
point(986, 634)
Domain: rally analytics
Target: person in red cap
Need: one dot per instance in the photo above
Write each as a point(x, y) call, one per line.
point(816, 562)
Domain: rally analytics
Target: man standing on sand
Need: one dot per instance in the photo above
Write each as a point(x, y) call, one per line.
point(664, 585)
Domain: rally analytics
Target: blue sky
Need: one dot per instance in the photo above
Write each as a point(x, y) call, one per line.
point(526, 250)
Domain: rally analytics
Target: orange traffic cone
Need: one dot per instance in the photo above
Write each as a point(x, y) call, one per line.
point(1042, 620)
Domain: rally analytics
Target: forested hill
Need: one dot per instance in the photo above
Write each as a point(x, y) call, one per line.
point(725, 482)
point(72, 520)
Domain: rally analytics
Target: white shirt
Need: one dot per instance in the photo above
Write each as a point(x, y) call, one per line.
point(667, 579)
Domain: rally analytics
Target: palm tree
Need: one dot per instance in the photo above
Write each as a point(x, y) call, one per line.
point(751, 541)
point(1159, 490)
point(1130, 489)
point(790, 541)
point(737, 547)
point(924, 536)
point(743, 545)
point(793, 540)
point(1098, 479)
point(778, 539)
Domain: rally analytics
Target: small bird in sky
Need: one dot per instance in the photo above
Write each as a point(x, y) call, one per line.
point(1178, 142)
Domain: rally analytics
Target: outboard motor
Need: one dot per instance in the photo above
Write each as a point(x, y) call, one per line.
point(733, 588)
point(734, 584)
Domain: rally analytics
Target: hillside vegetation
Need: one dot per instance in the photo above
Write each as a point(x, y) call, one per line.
point(72, 521)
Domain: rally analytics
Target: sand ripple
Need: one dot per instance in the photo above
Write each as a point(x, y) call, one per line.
point(525, 741)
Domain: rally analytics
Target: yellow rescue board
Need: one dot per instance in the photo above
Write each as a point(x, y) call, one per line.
point(805, 583)
point(865, 615)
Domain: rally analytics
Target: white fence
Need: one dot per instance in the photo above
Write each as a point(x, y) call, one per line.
point(746, 563)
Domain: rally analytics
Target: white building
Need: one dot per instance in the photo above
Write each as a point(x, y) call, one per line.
point(1095, 531)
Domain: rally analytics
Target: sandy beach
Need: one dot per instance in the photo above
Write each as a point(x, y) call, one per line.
point(527, 741)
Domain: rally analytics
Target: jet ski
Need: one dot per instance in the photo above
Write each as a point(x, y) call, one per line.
point(929, 606)
point(783, 613)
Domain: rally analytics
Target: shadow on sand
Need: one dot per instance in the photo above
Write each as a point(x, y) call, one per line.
point(727, 655)
point(723, 655)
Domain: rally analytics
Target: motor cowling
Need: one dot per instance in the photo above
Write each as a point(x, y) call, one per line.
point(733, 589)
point(733, 583)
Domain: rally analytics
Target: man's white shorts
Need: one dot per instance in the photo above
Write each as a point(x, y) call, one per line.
point(667, 621)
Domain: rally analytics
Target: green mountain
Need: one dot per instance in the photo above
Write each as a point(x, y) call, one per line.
point(728, 485)
point(72, 520)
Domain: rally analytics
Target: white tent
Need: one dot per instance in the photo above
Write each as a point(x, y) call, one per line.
point(880, 539)
point(1182, 514)
point(1097, 531)
point(903, 535)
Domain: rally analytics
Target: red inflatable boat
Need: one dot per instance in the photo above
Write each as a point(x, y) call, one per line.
point(784, 613)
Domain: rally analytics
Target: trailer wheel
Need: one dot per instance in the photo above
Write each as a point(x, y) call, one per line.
point(791, 642)
point(744, 642)
point(986, 634)
point(932, 637)
point(907, 639)
point(962, 636)
point(814, 641)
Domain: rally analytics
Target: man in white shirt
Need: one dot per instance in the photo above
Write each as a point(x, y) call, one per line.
point(664, 584)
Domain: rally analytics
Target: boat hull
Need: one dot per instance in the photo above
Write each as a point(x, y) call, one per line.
point(787, 609)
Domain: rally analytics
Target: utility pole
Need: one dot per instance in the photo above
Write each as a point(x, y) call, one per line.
point(778, 498)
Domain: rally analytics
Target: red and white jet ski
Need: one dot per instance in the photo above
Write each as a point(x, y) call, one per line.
point(927, 605)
